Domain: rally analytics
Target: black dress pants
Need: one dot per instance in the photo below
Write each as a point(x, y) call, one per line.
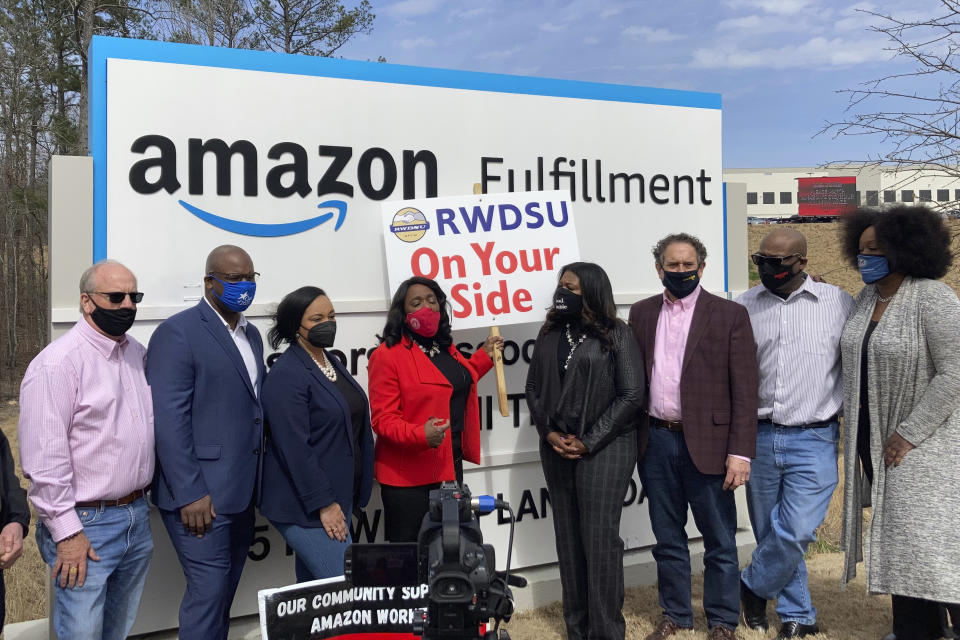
point(403, 510)
point(916, 618)
point(586, 496)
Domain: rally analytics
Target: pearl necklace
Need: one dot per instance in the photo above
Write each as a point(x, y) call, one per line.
point(327, 369)
point(573, 346)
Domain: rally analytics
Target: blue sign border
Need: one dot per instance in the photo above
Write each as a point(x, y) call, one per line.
point(103, 47)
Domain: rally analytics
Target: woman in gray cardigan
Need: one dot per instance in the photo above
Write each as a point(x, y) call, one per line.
point(901, 366)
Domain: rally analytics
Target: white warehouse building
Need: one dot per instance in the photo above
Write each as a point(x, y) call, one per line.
point(773, 192)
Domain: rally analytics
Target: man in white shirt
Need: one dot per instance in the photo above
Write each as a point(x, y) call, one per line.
point(797, 324)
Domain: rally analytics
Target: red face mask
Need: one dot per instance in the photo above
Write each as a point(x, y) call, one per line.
point(424, 321)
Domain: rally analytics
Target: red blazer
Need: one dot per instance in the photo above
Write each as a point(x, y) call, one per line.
point(718, 379)
point(406, 390)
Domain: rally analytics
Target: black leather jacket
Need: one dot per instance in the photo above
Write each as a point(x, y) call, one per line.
point(13, 499)
point(601, 394)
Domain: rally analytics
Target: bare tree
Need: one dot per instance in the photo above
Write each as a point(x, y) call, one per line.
point(915, 114)
point(224, 23)
point(310, 27)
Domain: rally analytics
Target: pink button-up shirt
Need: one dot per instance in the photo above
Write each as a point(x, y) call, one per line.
point(673, 327)
point(86, 425)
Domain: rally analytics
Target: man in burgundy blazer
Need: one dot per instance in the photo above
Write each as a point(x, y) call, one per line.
point(698, 434)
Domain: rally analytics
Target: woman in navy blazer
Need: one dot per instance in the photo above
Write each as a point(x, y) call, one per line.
point(318, 464)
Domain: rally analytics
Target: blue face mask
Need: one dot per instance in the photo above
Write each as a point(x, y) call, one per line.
point(236, 296)
point(873, 268)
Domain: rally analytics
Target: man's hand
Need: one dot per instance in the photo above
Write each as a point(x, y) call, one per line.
point(71, 564)
point(436, 428)
point(566, 446)
point(197, 517)
point(333, 522)
point(895, 448)
point(738, 472)
point(11, 544)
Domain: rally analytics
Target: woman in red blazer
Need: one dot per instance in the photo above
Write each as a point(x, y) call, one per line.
point(423, 405)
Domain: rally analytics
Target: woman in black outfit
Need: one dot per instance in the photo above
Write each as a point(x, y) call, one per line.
point(585, 388)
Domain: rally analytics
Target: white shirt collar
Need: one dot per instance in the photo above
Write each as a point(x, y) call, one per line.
point(241, 322)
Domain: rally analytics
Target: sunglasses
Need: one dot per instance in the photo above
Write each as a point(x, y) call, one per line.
point(773, 261)
point(116, 297)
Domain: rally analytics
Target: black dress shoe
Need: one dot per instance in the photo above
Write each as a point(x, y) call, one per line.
point(754, 609)
point(794, 629)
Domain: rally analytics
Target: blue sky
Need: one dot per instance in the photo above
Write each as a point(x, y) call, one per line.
point(777, 63)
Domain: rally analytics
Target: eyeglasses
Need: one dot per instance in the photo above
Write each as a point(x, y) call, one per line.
point(116, 297)
point(235, 277)
point(773, 261)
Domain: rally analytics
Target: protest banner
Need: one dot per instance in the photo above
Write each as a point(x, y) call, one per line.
point(333, 609)
point(495, 255)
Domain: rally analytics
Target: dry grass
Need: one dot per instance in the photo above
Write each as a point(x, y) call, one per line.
point(850, 615)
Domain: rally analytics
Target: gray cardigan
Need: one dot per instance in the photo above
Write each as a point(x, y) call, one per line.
point(913, 369)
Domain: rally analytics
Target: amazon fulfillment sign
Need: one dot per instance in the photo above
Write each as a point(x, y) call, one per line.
point(292, 156)
point(296, 159)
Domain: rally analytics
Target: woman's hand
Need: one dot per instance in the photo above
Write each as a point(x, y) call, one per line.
point(566, 446)
point(491, 343)
point(333, 522)
point(895, 448)
point(436, 428)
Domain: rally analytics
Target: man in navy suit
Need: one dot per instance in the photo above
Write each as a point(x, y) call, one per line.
point(205, 368)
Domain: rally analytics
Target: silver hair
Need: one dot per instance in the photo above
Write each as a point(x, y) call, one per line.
point(86, 280)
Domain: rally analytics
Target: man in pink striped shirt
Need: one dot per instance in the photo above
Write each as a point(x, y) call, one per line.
point(86, 444)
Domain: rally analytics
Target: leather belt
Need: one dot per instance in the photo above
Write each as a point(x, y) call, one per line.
point(810, 425)
point(671, 425)
point(114, 502)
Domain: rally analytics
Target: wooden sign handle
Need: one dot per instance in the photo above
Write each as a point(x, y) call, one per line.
point(501, 380)
point(497, 354)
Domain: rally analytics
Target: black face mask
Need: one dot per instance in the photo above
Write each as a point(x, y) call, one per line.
point(681, 283)
point(322, 334)
point(567, 303)
point(113, 322)
point(775, 278)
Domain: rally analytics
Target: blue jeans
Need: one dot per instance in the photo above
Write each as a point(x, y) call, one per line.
point(317, 554)
point(672, 481)
point(791, 482)
point(106, 605)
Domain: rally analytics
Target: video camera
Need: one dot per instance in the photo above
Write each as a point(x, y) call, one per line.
point(465, 589)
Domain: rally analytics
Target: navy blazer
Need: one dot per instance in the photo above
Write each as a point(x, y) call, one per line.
point(208, 421)
point(309, 461)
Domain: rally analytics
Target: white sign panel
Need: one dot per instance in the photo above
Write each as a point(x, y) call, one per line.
point(496, 255)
